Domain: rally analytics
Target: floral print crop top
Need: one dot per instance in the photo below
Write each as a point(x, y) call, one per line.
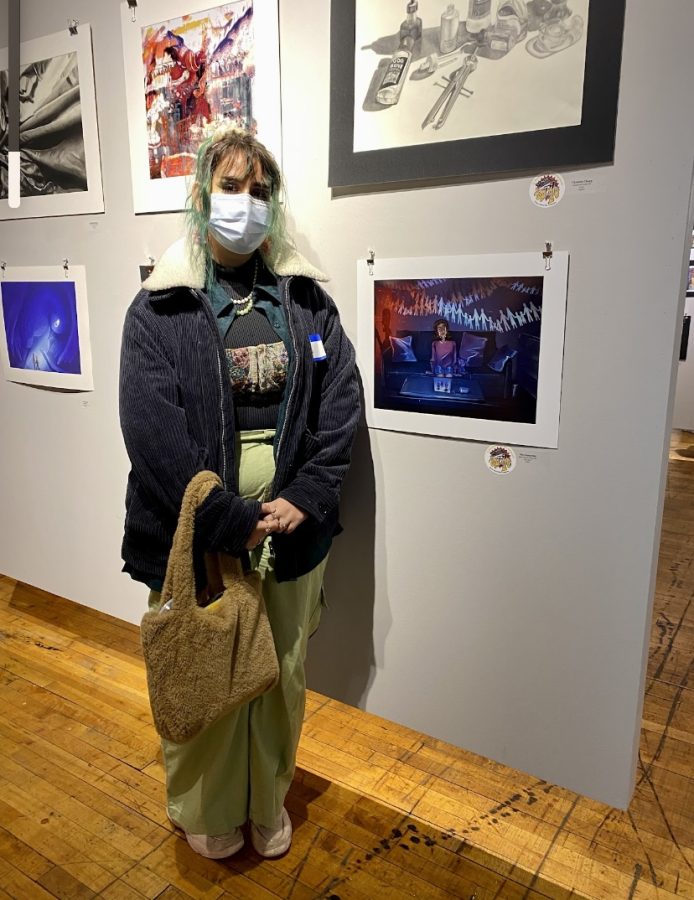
point(258, 371)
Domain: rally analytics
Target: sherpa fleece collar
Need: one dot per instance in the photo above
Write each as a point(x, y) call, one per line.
point(178, 267)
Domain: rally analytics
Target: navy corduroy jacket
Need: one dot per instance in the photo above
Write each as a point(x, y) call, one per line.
point(177, 417)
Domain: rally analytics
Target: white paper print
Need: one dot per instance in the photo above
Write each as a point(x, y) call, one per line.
point(60, 172)
point(506, 66)
point(500, 460)
point(44, 327)
point(464, 346)
point(547, 190)
point(192, 67)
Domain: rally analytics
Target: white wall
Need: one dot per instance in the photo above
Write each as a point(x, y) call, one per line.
point(507, 615)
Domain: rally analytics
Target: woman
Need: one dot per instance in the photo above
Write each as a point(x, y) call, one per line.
point(234, 360)
point(443, 350)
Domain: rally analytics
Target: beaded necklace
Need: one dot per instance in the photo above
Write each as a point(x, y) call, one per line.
point(244, 305)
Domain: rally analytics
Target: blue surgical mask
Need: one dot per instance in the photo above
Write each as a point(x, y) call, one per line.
point(238, 221)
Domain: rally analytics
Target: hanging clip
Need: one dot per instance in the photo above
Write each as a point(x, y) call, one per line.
point(152, 261)
point(3, 266)
point(72, 26)
point(66, 267)
point(370, 261)
point(132, 6)
point(547, 255)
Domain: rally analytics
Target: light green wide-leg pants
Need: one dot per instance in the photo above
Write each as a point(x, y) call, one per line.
point(241, 767)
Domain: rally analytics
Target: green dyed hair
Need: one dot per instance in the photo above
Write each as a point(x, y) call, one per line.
point(225, 145)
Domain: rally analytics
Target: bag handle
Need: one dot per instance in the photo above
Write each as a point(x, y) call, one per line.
point(179, 582)
point(224, 570)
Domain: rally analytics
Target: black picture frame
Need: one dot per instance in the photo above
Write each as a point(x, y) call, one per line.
point(684, 342)
point(590, 143)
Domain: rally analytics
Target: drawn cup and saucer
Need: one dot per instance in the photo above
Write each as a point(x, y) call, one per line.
point(555, 37)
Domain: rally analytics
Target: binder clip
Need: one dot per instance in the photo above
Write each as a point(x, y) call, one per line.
point(66, 267)
point(132, 6)
point(72, 27)
point(370, 261)
point(3, 266)
point(547, 255)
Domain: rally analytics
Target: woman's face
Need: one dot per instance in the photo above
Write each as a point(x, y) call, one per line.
point(441, 331)
point(232, 177)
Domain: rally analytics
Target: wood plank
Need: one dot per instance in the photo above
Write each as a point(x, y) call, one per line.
point(18, 886)
point(137, 749)
point(381, 833)
point(61, 883)
point(25, 858)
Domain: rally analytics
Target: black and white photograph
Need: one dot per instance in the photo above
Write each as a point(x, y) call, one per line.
point(466, 346)
point(427, 89)
point(60, 167)
point(51, 136)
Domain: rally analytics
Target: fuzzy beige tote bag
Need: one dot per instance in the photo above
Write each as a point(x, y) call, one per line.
point(204, 662)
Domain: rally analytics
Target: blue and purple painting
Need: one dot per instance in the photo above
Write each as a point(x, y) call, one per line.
point(41, 326)
point(467, 347)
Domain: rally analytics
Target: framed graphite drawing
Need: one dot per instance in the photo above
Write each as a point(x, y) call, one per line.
point(191, 67)
point(60, 172)
point(425, 90)
point(44, 327)
point(464, 346)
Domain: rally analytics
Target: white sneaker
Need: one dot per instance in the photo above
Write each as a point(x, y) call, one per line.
point(272, 840)
point(213, 846)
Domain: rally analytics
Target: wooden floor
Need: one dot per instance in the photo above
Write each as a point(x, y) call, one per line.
point(379, 811)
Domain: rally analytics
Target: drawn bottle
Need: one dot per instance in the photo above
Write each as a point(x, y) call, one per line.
point(389, 92)
point(411, 27)
point(480, 16)
point(396, 72)
point(450, 19)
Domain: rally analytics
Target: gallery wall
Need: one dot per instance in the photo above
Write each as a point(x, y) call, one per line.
point(511, 615)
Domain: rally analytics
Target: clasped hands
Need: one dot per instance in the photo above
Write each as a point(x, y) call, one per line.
point(279, 516)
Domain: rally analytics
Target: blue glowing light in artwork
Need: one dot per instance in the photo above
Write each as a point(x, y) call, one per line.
point(41, 326)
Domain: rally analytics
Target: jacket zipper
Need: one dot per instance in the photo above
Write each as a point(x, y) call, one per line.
point(291, 394)
point(221, 411)
point(201, 297)
point(293, 385)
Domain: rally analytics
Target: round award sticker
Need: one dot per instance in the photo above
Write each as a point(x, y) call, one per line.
point(500, 460)
point(547, 190)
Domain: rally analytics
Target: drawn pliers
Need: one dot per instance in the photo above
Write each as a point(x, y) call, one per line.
point(455, 86)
